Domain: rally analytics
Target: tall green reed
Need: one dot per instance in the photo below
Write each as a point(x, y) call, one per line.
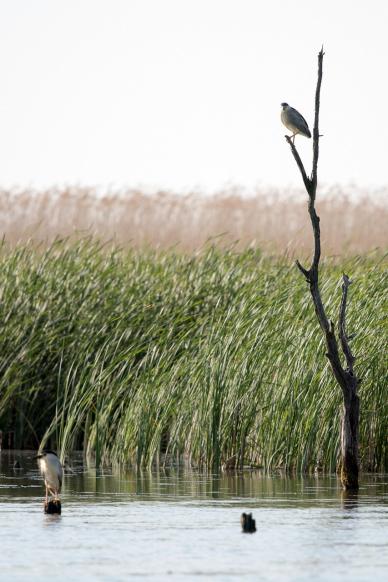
point(139, 357)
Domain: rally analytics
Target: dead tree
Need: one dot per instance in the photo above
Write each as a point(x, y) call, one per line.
point(344, 374)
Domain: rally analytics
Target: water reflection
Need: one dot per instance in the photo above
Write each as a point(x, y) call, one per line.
point(185, 485)
point(349, 499)
point(177, 522)
point(53, 520)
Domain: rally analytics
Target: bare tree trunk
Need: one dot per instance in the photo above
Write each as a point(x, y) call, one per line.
point(345, 377)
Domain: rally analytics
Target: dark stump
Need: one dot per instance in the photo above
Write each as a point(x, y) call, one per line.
point(248, 524)
point(53, 506)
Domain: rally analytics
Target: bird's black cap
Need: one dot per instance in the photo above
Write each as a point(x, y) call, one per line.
point(44, 453)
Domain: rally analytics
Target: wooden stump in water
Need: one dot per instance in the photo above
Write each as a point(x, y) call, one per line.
point(53, 506)
point(248, 524)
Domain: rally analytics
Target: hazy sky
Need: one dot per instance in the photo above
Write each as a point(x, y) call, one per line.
point(184, 94)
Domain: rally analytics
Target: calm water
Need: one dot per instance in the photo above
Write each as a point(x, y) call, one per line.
point(182, 525)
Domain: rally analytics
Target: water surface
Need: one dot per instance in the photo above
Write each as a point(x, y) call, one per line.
point(184, 525)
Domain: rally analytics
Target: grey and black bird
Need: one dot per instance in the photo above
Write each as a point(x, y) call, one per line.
point(294, 121)
point(52, 472)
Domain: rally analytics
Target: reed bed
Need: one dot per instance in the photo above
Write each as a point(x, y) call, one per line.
point(144, 357)
point(353, 222)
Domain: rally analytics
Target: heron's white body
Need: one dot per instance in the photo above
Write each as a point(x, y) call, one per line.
point(294, 121)
point(52, 472)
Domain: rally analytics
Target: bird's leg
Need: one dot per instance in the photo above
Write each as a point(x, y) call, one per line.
point(293, 138)
point(46, 501)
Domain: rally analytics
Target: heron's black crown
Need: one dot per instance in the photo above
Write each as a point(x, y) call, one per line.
point(46, 452)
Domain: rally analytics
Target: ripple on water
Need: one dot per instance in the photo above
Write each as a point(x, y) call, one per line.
point(183, 525)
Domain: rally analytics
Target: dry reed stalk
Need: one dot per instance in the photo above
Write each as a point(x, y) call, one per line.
point(266, 220)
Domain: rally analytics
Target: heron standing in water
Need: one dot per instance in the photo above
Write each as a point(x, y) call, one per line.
point(52, 472)
point(294, 121)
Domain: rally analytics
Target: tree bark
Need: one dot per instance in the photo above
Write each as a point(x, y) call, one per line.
point(344, 376)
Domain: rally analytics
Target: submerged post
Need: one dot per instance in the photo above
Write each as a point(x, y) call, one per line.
point(248, 524)
point(53, 506)
point(345, 376)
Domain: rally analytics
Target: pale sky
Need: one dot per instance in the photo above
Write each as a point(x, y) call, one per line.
point(185, 94)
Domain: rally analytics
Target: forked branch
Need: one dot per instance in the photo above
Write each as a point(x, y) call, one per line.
point(306, 179)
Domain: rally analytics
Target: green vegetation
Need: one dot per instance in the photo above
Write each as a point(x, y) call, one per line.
point(144, 356)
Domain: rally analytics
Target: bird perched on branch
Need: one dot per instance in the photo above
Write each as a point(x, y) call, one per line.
point(294, 121)
point(52, 472)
